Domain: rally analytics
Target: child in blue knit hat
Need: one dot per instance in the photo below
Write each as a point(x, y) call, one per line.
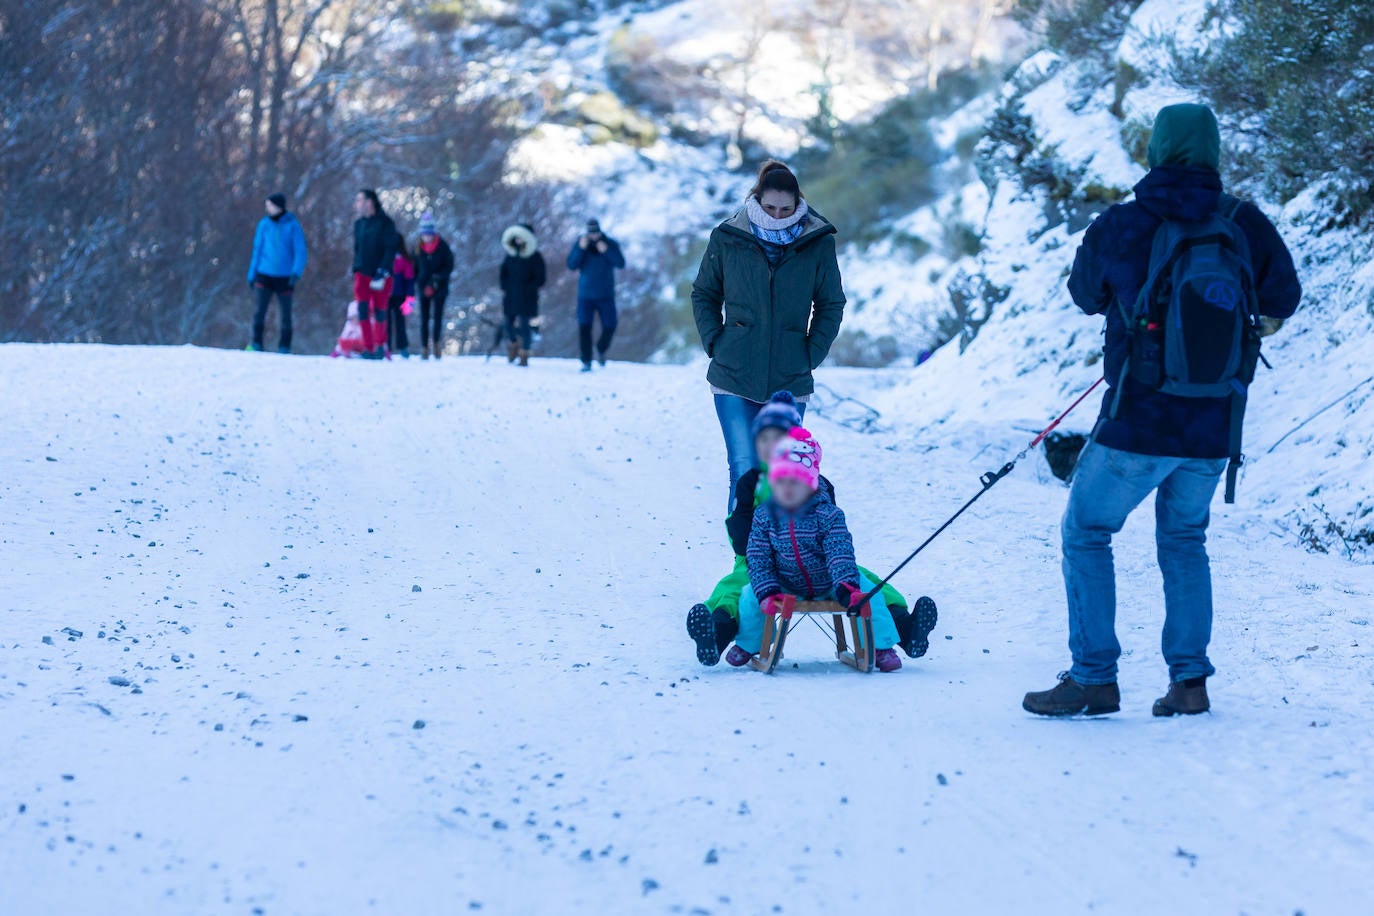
point(714, 624)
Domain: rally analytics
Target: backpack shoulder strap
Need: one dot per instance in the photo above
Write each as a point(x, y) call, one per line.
point(1228, 206)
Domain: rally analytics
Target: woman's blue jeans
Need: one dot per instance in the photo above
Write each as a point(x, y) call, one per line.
point(736, 416)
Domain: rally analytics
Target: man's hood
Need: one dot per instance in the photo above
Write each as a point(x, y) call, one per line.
point(1186, 135)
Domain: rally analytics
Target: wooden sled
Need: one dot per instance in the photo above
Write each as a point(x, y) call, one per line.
point(777, 626)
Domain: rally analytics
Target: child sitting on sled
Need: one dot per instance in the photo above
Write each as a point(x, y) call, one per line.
point(800, 545)
point(714, 623)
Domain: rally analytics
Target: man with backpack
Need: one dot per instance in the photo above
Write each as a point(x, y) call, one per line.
point(1183, 274)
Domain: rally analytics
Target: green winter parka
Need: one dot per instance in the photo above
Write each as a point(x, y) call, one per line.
point(765, 328)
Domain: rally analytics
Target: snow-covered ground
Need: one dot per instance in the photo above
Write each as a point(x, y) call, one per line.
point(299, 636)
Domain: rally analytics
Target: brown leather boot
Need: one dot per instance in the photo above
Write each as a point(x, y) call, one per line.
point(1185, 698)
point(1070, 698)
point(425, 353)
point(524, 357)
point(513, 352)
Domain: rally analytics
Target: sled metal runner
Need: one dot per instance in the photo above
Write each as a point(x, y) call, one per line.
point(777, 626)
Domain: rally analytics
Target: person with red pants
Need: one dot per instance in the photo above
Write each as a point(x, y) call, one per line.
point(374, 252)
point(402, 288)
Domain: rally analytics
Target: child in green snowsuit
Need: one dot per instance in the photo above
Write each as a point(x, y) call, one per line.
point(714, 624)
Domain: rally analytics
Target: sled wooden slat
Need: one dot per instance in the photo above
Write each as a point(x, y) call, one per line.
point(777, 626)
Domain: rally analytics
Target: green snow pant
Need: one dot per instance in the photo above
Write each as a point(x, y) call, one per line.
point(725, 596)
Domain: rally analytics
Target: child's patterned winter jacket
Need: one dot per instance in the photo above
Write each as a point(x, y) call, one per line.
point(806, 553)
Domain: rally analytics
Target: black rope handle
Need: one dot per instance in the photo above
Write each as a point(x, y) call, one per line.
point(988, 480)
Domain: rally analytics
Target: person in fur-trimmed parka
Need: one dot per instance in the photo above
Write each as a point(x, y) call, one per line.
point(522, 274)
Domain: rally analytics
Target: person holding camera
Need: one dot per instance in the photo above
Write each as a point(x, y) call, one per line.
point(522, 274)
point(596, 257)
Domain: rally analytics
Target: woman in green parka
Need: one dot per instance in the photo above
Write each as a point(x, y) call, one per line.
point(768, 303)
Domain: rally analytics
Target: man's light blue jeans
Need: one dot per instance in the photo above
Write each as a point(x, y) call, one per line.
point(1108, 485)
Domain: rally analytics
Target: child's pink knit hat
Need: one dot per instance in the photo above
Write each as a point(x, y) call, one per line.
point(797, 455)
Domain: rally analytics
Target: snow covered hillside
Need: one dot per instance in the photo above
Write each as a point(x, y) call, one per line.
point(302, 636)
point(1056, 154)
point(654, 115)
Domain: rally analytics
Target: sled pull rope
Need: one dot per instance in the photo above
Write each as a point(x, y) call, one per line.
point(988, 480)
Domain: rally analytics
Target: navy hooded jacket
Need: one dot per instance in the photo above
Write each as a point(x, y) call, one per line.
point(1112, 264)
point(596, 271)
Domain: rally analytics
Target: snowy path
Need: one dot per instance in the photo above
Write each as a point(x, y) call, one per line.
point(238, 538)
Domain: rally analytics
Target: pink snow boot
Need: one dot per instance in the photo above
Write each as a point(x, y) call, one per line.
point(887, 660)
point(738, 658)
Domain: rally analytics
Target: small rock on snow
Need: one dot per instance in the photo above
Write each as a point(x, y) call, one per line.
point(118, 681)
point(419, 724)
point(415, 588)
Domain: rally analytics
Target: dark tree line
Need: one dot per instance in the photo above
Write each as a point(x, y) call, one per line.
point(141, 137)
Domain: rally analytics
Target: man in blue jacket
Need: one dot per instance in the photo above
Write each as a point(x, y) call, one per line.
point(596, 256)
point(1148, 441)
point(275, 268)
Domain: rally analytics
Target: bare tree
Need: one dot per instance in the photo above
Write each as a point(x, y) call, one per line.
point(141, 137)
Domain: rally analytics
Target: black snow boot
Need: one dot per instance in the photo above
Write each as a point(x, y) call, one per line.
point(727, 628)
point(1070, 698)
point(1185, 698)
point(923, 620)
point(701, 626)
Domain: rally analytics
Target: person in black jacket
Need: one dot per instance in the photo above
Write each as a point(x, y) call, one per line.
point(1150, 442)
point(433, 268)
point(522, 274)
point(374, 251)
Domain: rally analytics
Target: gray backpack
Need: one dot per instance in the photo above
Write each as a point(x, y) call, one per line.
point(1194, 328)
